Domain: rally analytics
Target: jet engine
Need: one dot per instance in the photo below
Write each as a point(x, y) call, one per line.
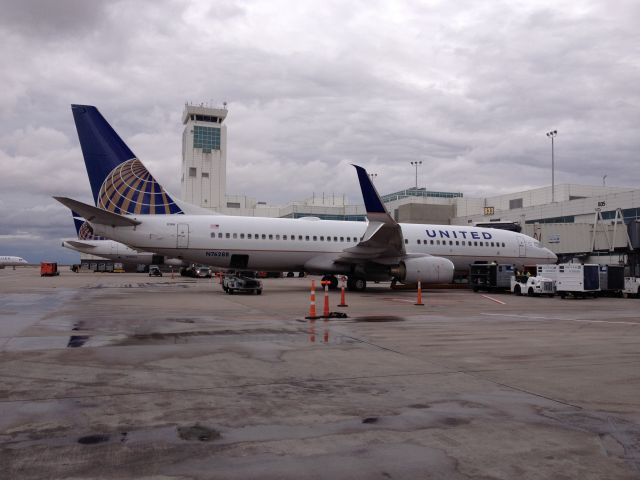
point(426, 269)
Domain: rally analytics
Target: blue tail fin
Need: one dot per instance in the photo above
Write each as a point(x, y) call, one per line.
point(120, 183)
point(77, 221)
point(83, 229)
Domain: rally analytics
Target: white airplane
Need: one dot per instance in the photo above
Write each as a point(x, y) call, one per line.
point(87, 242)
point(380, 249)
point(9, 261)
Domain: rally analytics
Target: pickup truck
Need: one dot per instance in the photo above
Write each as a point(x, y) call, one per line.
point(532, 286)
point(239, 283)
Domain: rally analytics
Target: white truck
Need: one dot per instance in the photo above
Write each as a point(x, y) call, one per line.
point(631, 287)
point(574, 279)
point(532, 286)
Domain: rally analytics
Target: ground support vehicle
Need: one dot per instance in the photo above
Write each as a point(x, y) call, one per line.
point(574, 279)
point(49, 269)
point(532, 286)
point(154, 271)
point(490, 276)
point(233, 283)
point(631, 287)
point(203, 272)
point(611, 280)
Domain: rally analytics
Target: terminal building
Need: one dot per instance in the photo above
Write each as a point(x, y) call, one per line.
point(579, 223)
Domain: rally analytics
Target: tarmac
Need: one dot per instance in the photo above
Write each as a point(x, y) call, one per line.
point(129, 376)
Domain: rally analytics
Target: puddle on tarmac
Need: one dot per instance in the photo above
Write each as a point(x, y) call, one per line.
point(379, 318)
point(76, 341)
point(199, 433)
point(93, 439)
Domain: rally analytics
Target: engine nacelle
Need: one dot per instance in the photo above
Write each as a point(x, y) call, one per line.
point(425, 269)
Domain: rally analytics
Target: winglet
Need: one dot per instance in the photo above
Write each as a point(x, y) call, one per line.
point(97, 215)
point(370, 195)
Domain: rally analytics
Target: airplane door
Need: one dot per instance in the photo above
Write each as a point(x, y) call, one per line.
point(182, 235)
point(522, 247)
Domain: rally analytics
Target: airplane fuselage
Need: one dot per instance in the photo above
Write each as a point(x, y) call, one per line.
point(288, 244)
point(12, 261)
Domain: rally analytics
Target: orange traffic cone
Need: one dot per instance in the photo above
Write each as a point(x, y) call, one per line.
point(312, 301)
point(419, 300)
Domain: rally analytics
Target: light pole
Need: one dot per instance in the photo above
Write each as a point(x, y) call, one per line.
point(552, 134)
point(415, 164)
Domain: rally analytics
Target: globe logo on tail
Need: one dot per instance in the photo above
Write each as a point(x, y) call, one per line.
point(130, 189)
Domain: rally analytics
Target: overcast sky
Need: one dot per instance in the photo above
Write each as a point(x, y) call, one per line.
point(468, 87)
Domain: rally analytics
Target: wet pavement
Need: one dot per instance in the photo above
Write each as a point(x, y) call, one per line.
point(126, 376)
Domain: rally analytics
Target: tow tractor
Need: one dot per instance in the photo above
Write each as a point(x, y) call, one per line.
point(532, 286)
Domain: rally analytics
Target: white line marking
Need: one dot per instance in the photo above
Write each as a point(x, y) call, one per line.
point(493, 299)
point(532, 317)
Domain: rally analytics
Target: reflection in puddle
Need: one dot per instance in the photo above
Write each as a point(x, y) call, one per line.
point(325, 331)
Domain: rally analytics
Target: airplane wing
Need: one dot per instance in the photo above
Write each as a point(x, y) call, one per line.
point(97, 215)
point(383, 241)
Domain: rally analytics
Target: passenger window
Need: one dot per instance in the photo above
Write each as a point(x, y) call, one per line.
point(315, 239)
point(481, 244)
point(335, 239)
point(437, 242)
point(431, 242)
point(457, 242)
point(406, 240)
point(328, 239)
point(284, 237)
point(306, 238)
point(418, 241)
point(492, 244)
point(463, 242)
point(450, 242)
point(227, 235)
point(502, 244)
point(348, 239)
point(342, 239)
point(300, 237)
point(235, 235)
point(242, 235)
point(322, 239)
point(270, 237)
point(475, 244)
point(213, 235)
point(219, 235)
point(248, 236)
point(277, 237)
point(264, 236)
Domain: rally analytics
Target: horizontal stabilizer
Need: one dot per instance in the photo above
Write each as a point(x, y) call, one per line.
point(97, 215)
point(77, 244)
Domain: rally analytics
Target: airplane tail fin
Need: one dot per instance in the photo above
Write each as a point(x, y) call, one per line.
point(120, 183)
point(78, 221)
point(83, 229)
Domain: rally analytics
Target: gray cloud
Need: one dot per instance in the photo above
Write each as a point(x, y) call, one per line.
point(469, 88)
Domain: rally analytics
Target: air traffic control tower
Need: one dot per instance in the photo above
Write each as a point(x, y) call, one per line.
point(204, 156)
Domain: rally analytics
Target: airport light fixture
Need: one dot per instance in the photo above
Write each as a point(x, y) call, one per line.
point(552, 134)
point(373, 175)
point(415, 164)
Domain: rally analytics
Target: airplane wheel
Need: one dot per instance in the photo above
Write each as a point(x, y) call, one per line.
point(356, 284)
